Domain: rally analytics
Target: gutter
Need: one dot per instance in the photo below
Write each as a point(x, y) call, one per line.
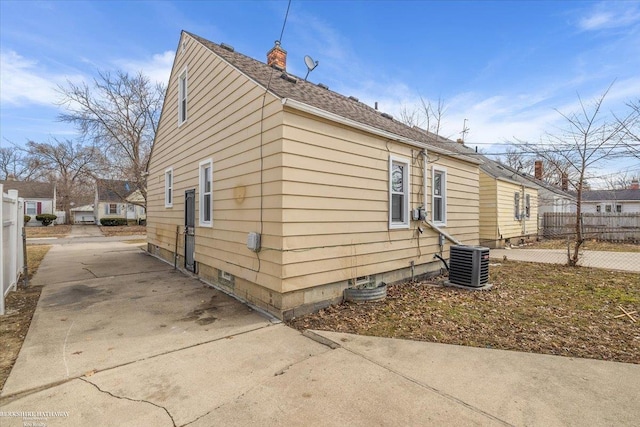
point(306, 108)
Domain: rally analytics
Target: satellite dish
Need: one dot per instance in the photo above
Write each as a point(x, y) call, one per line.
point(311, 65)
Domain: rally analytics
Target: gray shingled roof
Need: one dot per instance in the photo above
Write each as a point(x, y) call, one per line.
point(30, 189)
point(607, 195)
point(319, 97)
point(113, 190)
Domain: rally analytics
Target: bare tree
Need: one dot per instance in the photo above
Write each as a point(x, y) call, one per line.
point(120, 114)
point(15, 164)
point(631, 127)
point(586, 139)
point(68, 164)
point(428, 115)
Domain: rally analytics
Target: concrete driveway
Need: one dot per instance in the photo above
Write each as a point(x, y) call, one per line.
point(119, 338)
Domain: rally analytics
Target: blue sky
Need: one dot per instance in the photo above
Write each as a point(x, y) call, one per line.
point(503, 66)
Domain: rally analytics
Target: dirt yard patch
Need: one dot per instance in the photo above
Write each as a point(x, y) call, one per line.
point(19, 308)
point(51, 231)
point(124, 230)
point(536, 308)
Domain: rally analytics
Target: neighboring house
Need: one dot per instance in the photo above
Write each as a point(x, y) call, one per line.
point(39, 197)
point(508, 205)
point(118, 199)
point(551, 198)
point(612, 201)
point(286, 193)
point(83, 214)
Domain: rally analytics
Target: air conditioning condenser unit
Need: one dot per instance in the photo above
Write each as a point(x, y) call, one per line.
point(469, 266)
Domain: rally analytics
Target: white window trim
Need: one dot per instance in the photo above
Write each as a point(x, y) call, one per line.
point(185, 76)
point(442, 170)
point(208, 162)
point(35, 208)
point(405, 223)
point(168, 188)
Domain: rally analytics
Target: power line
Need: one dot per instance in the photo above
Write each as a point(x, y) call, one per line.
point(285, 22)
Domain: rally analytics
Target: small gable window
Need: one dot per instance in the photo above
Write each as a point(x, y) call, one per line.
point(206, 193)
point(398, 193)
point(439, 196)
point(182, 97)
point(168, 188)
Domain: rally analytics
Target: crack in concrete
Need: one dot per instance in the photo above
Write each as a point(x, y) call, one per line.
point(23, 393)
point(130, 399)
point(432, 389)
point(241, 395)
point(94, 274)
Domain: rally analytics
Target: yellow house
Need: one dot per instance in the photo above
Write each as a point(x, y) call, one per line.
point(508, 205)
point(285, 193)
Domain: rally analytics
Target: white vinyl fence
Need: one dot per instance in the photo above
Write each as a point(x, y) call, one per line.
point(12, 220)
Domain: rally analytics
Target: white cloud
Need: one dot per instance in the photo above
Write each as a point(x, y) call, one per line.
point(157, 68)
point(608, 15)
point(25, 81)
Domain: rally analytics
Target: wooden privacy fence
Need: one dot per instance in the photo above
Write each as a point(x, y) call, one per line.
point(611, 227)
point(12, 221)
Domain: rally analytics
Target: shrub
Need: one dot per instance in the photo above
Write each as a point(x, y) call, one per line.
point(110, 222)
point(27, 218)
point(46, 219)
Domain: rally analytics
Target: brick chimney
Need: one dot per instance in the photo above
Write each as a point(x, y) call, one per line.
point(634, 184)
point(538, 171)
point(565, 181)
point(277, 57)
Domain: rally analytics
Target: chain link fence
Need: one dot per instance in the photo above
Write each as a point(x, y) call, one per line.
point(611, 241)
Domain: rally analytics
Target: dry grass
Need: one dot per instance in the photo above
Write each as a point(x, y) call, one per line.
point(19, 306)
point(124, 230)
point(51, 231)
point(589, 245)
point(535, 308)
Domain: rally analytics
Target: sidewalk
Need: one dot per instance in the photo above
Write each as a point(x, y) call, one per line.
point(622, 261)
point(120, 338)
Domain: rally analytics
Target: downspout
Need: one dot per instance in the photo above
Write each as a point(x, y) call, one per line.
point(425, 159)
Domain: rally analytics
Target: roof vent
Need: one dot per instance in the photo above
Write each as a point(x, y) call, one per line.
point(387, 116)
point(288, 78)
point(323, 86)
point(353, 98)
point(227, 47)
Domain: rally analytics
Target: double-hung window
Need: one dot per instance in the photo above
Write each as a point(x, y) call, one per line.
point(527, 206)
point(516, 205)
point(398, 192)
point(168, 188)
point(112, 209)
point(32, 208)
point(206, 193)
point(439, 196)
point(182, 97)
